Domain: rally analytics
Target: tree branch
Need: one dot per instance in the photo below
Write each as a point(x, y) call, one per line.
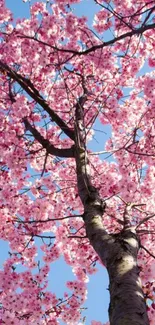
point(27, 85)
point(147, 251)
point(66, 153)
point(46, 220)
point(145, 220)
point(138, 31)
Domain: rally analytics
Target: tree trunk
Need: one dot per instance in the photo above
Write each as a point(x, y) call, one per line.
point(118, 252)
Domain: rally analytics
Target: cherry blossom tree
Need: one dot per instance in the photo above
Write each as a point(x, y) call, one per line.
point(58, 76)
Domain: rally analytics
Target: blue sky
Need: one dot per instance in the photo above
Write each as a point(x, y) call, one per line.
point(98, 295)
point(21, 9)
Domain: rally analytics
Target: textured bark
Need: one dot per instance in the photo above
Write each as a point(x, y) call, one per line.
point(118, 252)
point(127, 304)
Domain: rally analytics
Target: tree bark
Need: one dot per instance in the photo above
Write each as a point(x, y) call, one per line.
point(127, 304)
